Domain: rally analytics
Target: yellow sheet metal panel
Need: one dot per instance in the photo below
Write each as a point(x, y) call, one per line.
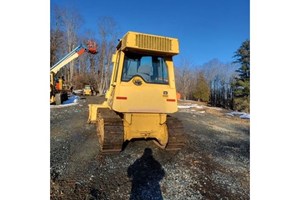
point(93, 111)
point(146, 98)
point(128, 96)
point(171, 73)
point(150, 43)
point(140, 125)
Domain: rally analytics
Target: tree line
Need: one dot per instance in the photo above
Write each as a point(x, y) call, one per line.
point(219, 84)
point(88, 68)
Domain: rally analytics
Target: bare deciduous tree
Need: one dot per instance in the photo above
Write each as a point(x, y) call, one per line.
point(71, 22)
point(108, 37)
point(56, 38)
point(184, 79)
point(56, 43)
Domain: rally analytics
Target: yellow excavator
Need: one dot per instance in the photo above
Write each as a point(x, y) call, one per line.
point(57, 94)
point(141, 95)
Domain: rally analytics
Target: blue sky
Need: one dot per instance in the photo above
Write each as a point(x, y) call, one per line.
point(206, 29)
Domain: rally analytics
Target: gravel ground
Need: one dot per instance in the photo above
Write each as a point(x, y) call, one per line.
point(214, 164)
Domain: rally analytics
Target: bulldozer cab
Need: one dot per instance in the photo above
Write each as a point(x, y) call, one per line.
point(143, 75)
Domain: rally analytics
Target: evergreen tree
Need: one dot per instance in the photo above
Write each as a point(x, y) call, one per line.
point(202, 89)
point(241, 84)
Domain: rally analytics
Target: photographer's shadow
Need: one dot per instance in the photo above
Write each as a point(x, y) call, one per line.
point(145, 174)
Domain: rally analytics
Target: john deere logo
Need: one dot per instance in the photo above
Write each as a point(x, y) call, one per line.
point(137, 81)
point(165, 93)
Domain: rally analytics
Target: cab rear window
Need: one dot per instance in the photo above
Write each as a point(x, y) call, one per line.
point(152, 69)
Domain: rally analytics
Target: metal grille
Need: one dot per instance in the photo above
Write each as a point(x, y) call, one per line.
point(153, 43)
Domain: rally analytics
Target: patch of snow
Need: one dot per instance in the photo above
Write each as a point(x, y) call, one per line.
point(184, 107)
point(63, 105)
point(190, 106)
point(214, 108)
point(72, 100)
point(242, 115)
point(245, 116)
point(230, 114)
point(197, 106)
point(78, 91)
point(237, 113)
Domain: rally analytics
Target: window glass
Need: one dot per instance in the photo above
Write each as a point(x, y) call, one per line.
point(152, 69)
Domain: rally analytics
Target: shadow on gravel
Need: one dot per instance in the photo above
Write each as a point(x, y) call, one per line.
point(145, 174)
point(242, 148)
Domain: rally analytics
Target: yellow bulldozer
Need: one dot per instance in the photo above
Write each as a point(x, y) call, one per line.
point(141, 95)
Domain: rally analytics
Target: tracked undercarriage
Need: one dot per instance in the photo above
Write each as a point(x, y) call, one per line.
point(110, 131)
point(176, 134)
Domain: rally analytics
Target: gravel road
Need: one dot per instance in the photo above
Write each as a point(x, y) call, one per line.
point(214, 164)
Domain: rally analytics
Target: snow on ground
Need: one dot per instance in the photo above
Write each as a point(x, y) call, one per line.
point(242, 115)
point(192, 107)
point(189, 107)
point(72, 100)
point(245, 116)
point(78, 92)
